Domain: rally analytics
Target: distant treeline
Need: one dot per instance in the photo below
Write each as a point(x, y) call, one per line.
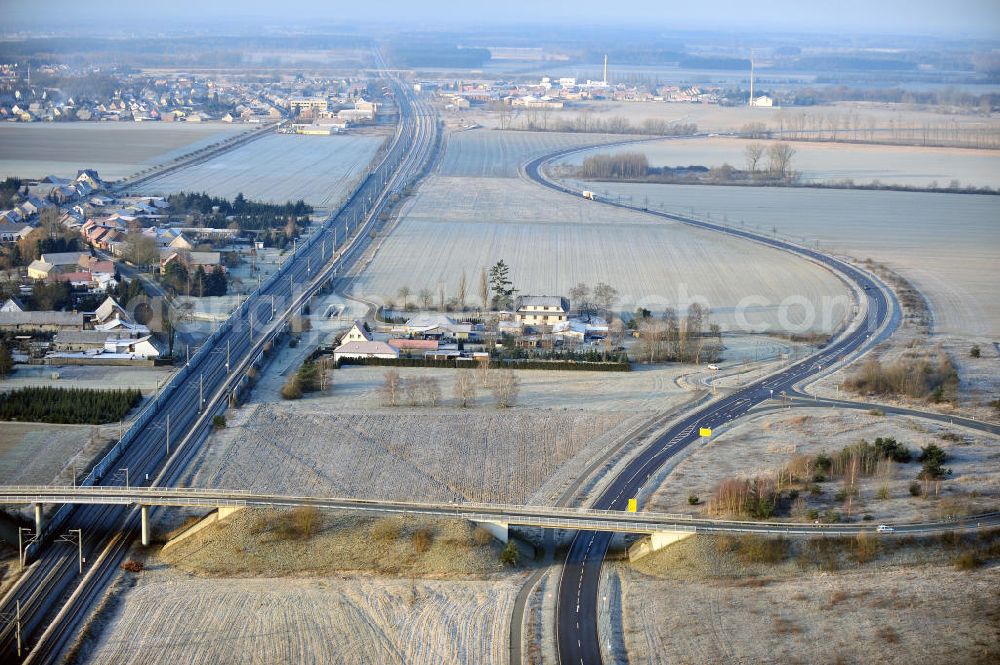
point(894, 95)
point(434, 55)
point(76, 406)
point(538, 120)
point(150, 50)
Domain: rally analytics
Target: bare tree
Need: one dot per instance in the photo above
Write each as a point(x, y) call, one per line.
point(671, 332)
point(616, 331)
point(578, 297)
point(484, 289)
point(780, 159)
point(413, 391)
point(426, 297)
point(483, 371)
point(432, 391)
point(651, 334)
point(505, 389)
point(752, 154)
point(404, 294)
point(464, 388)
point(605, 296)
point(462, 287)
point(391, 387)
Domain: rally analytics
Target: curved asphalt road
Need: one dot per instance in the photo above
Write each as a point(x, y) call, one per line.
point(577, 636)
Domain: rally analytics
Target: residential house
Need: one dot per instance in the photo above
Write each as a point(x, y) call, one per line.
point(40, 269)
point(12, 305)
point(357, 333)
point(90, 178)
point(541, 310)
point(12, 232)
point(367, 349)
point(64, 260)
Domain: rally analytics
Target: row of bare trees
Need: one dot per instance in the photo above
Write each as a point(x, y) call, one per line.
point(819, 125)
point(779, 160)
point(494, 288)
point(426, 390)
point(683, 339)
point(598, 300)
point(626, 165)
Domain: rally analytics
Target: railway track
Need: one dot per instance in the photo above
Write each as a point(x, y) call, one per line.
point(166, 435)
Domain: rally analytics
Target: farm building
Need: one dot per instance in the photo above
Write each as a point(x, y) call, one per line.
point(365, 349)
point(40, 321)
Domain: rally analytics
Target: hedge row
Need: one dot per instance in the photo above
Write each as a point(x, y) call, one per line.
point(572, 365)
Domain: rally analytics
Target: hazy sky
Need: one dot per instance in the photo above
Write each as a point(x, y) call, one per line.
point(979, 18)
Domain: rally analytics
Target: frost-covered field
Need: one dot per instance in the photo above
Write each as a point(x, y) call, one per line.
point(823, 162)
point(115, 150)
point(36, 453)
point(552, 241)
point(168, 619)
point(946, 244)
point(279, 168)
point(902, 615)
point(765, 443)
point(488, 153)
point(477, 455)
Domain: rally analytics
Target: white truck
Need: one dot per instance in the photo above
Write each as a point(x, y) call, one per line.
point(587, 194)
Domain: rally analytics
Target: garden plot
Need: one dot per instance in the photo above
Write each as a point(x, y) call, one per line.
point(552, 242)
point(278, 168)
point(488, 153)
point(764, 443)
point(902, 614)
point(478, 455)
point(825, 162)
point(115, 150)
point(168, 618)
point(945, 244)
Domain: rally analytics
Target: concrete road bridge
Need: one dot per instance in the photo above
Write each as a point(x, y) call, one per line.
point(664, 528)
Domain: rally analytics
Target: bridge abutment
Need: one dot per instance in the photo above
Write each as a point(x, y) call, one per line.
point(39, 519)
point(655, 542)
point(499, 530)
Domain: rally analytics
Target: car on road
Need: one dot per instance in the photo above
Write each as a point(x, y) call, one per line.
point(714, 368)
point(885, 528)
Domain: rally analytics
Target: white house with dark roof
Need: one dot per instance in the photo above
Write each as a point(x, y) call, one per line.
point(12, 305)
point(368, 349)
point(13, 231)
point(357, 333)
point(541, 310)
